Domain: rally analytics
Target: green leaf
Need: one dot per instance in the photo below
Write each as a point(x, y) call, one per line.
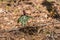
point(23, 19)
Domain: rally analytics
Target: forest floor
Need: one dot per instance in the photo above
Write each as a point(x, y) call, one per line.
point(44, 23)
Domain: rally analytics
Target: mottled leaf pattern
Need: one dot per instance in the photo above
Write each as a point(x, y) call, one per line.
point(23, 19)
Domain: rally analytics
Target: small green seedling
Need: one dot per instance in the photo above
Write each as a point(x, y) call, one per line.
point(23, 19)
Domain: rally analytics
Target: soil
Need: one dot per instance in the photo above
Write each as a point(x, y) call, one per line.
point(44, 24)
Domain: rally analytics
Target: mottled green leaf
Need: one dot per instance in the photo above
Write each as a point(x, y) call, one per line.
point(23, 19)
